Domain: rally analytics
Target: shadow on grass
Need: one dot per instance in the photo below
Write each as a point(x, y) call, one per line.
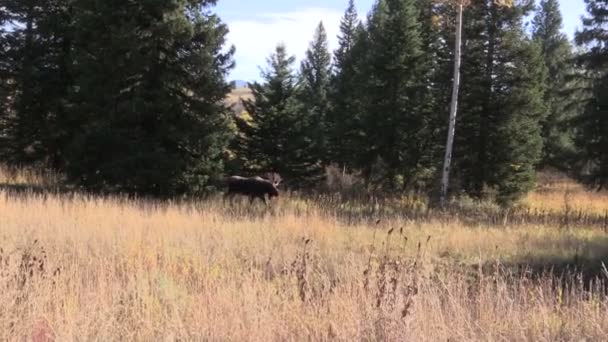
point(361, 210)
point(587, 268)
point(20, 192)
point(29, 189)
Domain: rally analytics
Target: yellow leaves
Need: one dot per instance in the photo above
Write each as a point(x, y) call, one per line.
point(455, 2)
point(516, 167)
point(246, 116)
point(504, 3)
point(436, 21)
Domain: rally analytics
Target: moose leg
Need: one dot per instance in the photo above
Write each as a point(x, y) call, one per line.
point(254, 197)
point(229, 196)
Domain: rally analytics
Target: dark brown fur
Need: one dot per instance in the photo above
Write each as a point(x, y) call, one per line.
point(255, 187)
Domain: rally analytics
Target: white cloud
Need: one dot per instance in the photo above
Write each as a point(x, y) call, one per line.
point(256, 38)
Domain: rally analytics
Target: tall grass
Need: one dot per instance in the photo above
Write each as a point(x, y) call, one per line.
point(557, 193)
point(90, 268)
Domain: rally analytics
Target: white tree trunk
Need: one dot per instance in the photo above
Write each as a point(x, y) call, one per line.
point(447, 161)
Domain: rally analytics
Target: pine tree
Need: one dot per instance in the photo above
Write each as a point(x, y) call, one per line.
point(442, 27)
point(5, 89)
point(315, 72)
point(347, 37)
point(557, 56)
point(397, 129)
point(518, 145)
point(593, 123)
point(344, 129)
point(274, 137)
point(499, 142)
point(36, 55)
point(148, 96)
point(437, 22)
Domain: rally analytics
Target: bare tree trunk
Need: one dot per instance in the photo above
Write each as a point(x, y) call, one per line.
point(447, 161)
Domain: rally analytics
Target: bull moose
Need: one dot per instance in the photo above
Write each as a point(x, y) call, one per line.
point(254, 187)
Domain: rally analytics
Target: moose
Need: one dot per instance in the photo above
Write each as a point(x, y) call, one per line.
point(254, 187)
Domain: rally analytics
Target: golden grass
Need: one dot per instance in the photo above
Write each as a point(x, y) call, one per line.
point(88, 268)
point(239, 94)
point(566, 195)
point(27, 177)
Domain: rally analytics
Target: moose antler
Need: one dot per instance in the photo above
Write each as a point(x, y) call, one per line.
point(274, 178)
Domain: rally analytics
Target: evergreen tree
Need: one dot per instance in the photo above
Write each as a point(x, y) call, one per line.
point(518, 145)
point(396, 123)
point(438, 32)
point(557, 56)
point(499, 142)
point(275, 135)
point(437, 21)
point(344, 118)
point(347, 37)
point(315, 73)
point(148, 96)
point(36, 56)
point(4, 78)
point(593, 123)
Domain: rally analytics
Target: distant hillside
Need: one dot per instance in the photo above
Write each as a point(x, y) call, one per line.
point(240, 84)
point(234, 98)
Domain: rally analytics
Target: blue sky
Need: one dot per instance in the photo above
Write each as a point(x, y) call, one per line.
point(257, 26)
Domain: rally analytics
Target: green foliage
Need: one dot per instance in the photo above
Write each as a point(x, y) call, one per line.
point(121, 96)
point(276, 136)
point(129, 96)
point(347, 38)
point(396, 119)
point(344, 119)
point(498, 141)
point(315, 73)
point(5, 89)
point(519, 141)
point(557, 57)
point(34, 74)
point(148, 97)
point(593, 123)
point(438, 32)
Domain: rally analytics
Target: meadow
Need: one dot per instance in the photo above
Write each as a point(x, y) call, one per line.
point(75, 267)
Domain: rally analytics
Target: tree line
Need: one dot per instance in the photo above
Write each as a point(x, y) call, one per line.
point(128, 96)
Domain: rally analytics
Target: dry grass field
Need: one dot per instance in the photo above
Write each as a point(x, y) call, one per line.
point(239, 93)
point(558, 194)
point(236, 96)
point(81, 268)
